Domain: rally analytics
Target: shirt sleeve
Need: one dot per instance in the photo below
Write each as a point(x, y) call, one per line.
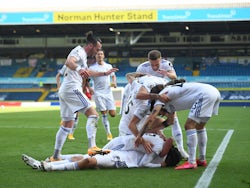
point(147, 159)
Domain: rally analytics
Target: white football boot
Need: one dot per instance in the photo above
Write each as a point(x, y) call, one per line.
point(33, 163)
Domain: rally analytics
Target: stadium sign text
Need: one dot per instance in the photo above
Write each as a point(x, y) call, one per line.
point(108, 16)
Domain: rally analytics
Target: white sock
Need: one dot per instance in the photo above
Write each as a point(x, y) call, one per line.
point(64, 166)
point(61, 136)
point(177, 134)
point(60, 162)
point(192, 144)
point(105, 123)
point(75, 125)
point(202, 143)
point(91, 129)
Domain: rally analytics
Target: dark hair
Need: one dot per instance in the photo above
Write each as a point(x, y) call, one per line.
point(154, 55)
point(173, 157)
point(91, 38)
point(156, 89)
point(173, 82)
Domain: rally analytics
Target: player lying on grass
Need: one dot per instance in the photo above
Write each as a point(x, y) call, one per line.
point(203, 101)
point(163, 155)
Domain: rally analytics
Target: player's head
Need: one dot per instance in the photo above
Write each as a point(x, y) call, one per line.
point(156, 89)
point(131, 76)
point(173, 157)
point(173, 82)
point(93, 44)
point(91, 38)
point(100, 55)
point(154, 57)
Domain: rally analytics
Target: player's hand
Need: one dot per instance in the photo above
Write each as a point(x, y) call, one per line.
point(113, 85)
point(84, 73)
point(163, 98)
point(163, 72)
point(112, 70)
point(147, 146)
point(138, 141)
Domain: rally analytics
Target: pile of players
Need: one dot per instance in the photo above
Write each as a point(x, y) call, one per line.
point(151, 99)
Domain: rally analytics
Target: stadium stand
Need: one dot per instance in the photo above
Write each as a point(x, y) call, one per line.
point(34, 79)
point(20, 95)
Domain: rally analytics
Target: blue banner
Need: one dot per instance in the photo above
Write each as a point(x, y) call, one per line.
point(171, 15)
point(213, 14)
point(26, 18)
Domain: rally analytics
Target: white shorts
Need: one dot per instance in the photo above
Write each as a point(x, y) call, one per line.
point(119, 159)
point(104, 102)
point(71, 101)
point(205, 106)
point(105, 161)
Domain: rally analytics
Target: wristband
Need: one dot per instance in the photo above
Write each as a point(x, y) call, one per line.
point(165, 123)
point(104, 73)
point(78, 68)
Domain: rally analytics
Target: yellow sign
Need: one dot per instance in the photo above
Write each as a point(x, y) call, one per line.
point(106, 16)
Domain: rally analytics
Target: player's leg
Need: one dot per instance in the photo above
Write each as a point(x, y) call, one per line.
point(69, 164)
point(102, 106)
point(107, 105)
point(74, 157)
point(71, 134)
point(178, 137)
point(67, 117)
point(89, 162)
point(112, 113)
point(190, 127)
point(61, 136)
point(110, 105)
point(106, 124)
point(59, 165)
point(91, 127)
point(202, 144)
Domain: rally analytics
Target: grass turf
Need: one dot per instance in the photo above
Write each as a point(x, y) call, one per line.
point(32, 131)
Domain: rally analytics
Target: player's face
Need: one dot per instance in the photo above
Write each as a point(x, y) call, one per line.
point(95, 49)
point(99, 56)
point(155, 64)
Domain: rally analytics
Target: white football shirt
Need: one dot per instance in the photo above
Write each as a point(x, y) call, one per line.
point(146, 68)
point(101, 84)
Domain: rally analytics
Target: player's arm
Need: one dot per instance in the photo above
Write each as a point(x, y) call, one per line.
point(148, 124)
point(131, 76)
point(95, 73)
point(71, 63)
point(132, 125)
point(171, 74)
point(143, 94)
point(114, 83)
point(58, 80)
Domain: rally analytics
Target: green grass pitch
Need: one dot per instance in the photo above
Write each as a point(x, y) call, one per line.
point(32, 131)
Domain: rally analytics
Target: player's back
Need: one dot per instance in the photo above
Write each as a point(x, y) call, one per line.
point(149, 81)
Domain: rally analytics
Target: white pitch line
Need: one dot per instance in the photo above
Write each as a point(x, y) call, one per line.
point(207, 175)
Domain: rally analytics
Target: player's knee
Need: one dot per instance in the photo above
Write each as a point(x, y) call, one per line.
point(91, 112)
point(112, 113)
